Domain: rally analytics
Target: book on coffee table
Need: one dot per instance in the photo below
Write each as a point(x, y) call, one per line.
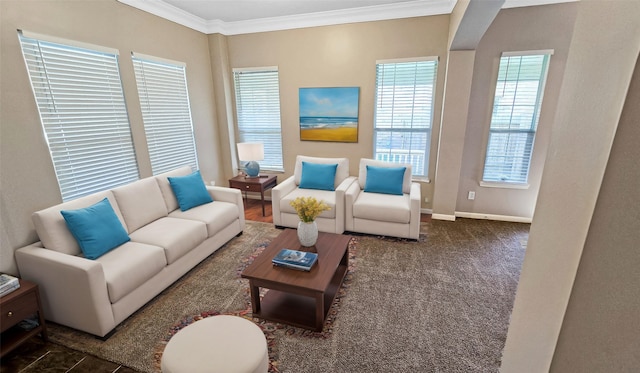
point(295, 259)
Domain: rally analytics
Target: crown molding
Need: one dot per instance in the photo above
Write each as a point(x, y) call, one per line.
point(407, 9)
point(523, 3)
point(169, 12)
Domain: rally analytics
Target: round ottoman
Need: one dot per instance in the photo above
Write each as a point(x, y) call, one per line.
point(223, 343)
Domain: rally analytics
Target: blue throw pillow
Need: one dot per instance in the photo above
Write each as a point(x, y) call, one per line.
point(387, 180)
point(190, 190)
point(318, 176)
point(96, 228)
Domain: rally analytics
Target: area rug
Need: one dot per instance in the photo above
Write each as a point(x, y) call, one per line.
point(267, 327)
point(440, 304)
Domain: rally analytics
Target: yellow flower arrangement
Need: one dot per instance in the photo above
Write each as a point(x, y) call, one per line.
point(308, 208)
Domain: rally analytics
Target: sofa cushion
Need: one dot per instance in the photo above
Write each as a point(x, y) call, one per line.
point(52, 229)
point(318, 176)
point(163, 181)
point(342, 171)
point(130, 266)
point(190, 191)
point(96, 228)
point(176, 236)
point(386, 180)
point(217, 215)
point(329, 197)
point(141, 202)
point(362, 174)
point(387, 207)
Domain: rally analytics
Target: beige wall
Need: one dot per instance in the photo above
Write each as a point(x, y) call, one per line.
point(341, 56)
point(28, 182)
point(515, 29)
point(600, 328)
point(590, 104)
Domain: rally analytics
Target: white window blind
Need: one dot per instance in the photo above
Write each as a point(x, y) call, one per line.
point(258, 111)
point(516, 110)
point(166, 113)
point(404, 112)
point(79, 96)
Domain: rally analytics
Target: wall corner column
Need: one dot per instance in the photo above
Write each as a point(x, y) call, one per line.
point(455, 109)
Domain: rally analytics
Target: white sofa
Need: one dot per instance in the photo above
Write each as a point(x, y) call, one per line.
point(381, 213)
point(96, 295)
point(331, 221)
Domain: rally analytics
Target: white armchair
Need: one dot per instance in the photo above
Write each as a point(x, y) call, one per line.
point(375, 205)
point(331, 221)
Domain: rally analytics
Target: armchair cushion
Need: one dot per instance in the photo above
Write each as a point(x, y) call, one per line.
point(386, 180)
point(362, 177)
point(96, 228)
point(388, 208)
point(329, 197)
point(342, 171)
point(318, 176)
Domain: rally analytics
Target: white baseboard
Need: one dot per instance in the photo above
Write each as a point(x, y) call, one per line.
point(426, 211)
point(473, 215)
point(443, 217)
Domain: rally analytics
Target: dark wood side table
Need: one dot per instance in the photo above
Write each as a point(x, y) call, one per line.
point(260, 184)
point(15, 307)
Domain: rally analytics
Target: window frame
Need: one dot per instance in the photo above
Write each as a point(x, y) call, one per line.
point(418, 174)
point(79, 96)
point(166, 112)
point(248, 132)
point(530, 131)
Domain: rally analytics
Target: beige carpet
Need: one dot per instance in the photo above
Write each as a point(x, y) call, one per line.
point(440, 304)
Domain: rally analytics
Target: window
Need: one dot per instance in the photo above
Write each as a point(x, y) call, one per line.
point(164, 101)
point(404, 112)
point(79, 96)
point(258, 111)
point(516, 110)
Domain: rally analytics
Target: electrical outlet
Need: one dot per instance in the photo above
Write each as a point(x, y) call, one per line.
point(213, 183)
point(426, 199)
point(472, 195)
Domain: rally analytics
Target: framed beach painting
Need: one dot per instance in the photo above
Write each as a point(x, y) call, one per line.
point(329, 114)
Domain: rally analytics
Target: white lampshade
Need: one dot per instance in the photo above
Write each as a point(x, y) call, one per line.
point(250, 151)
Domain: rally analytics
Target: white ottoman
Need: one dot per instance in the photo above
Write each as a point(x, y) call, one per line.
point(225, 344)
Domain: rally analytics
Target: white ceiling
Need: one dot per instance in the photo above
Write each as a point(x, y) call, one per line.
point(231, 17)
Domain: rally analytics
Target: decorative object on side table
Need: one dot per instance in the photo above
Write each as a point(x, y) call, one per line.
point(308, 209)
point(251, 152)
point(8, 284)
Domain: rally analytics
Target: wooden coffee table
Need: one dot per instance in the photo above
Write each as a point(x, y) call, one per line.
point(296, 297)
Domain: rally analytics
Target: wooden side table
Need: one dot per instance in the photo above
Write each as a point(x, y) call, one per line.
point(260, 184)
point(15, 307)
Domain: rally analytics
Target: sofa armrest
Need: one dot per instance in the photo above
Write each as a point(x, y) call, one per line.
point(230, 195)
point(73, 289)
point(416, 197)
point(277, 193)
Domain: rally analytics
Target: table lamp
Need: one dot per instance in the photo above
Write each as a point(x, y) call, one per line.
point(251, 152)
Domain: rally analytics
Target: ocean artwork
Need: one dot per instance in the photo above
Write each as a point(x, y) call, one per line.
point(329, 114)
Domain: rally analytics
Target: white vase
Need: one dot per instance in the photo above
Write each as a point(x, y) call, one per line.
point(307, 233)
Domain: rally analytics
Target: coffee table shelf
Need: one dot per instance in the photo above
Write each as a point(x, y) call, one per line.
point(299, 310)
point(295, 297)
